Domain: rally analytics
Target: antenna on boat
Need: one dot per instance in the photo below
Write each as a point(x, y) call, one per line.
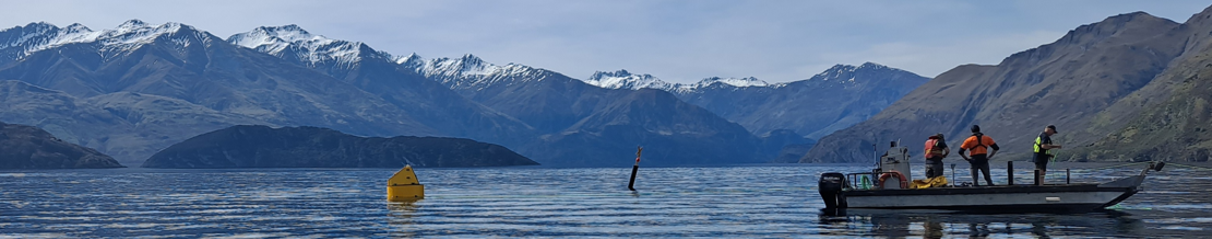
point(875, 154)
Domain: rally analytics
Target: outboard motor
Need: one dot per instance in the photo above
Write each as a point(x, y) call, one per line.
point(830, 186)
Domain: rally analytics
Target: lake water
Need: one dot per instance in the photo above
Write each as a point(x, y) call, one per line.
point(732, 202)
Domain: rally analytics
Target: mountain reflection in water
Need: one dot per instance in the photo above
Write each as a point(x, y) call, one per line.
point(733, 202)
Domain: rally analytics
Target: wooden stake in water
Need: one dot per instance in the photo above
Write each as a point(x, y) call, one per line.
point(635, 168)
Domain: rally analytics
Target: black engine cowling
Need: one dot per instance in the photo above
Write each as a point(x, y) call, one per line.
point(830, 187)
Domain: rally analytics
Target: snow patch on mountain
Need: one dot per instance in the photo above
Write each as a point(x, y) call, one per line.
point(412, 60)
point(468, 66)
point(737, 82)
point(469, 71)
point(622, 79)
point(126, 36)
point(844, 73)
point(310, 48)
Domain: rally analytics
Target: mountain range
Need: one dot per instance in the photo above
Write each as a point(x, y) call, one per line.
point(837, 98)
point(1127, 88)
point(136, 89)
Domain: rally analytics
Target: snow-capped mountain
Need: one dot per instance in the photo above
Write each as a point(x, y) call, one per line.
point(20, 42)
point(582, 124)
point(184, 81)
point(292, 43)
point(845, 95)
point(734, 82)
point(211, 83)
point(622, 79)
point(380, 73)
point(844, 74)
point(469, 71)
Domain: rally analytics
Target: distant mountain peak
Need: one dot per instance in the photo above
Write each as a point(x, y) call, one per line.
point(37, 27)
point(871, 65)
point(1123, 20)
point(470, 71)
point(737, 82)
point(276, 38)
point(412, 60)
point(135, 32)
point(1129, 16)
point(471, 60)
point(39, 36)
point(621, 79)
point(292, 28)
point(468, 64)
point(311, 49)
point(132, 23)
point(1096, 32)
point(846, 73)
point(76, 28)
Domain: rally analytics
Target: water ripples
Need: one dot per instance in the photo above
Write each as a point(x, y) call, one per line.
point(526, 202)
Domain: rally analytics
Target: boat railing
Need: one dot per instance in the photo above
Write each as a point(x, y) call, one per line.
point(1036, 173)
point(869, 180)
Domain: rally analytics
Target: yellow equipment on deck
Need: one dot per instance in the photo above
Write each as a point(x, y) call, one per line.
point(404, 187)
point(929, 183)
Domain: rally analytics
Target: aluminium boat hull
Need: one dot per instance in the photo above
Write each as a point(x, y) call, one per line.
point(1026, 198)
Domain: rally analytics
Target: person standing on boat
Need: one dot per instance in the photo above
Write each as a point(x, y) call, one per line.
point(979, 144)
point(1043, 151)
point(936, 150)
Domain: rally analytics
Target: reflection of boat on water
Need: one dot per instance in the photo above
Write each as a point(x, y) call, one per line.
point(941, 223)
point(891, 191)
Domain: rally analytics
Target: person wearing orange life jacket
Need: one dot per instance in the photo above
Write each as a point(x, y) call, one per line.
point(980, 155)
point(936, 150)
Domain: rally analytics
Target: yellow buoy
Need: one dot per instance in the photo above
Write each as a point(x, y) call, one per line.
point(404, 187)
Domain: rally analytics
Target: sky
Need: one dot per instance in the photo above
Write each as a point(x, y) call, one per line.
point(677, 41)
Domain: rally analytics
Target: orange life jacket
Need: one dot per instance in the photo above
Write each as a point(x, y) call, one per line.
point(933, 149)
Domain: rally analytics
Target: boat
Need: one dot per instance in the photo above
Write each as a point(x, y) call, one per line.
point(887, 187)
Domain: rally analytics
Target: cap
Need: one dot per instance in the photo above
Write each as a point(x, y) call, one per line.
point(976, 128)
point(1053, 127)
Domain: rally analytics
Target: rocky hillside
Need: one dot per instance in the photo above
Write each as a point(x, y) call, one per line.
point(312, 147)
point(1064, 83)
point(28, 147)
point(1172, 114)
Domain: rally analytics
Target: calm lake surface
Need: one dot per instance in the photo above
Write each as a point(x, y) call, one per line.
point(733, 202)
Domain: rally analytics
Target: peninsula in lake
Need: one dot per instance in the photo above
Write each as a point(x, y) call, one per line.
point(29, 147)
point(313, 147)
